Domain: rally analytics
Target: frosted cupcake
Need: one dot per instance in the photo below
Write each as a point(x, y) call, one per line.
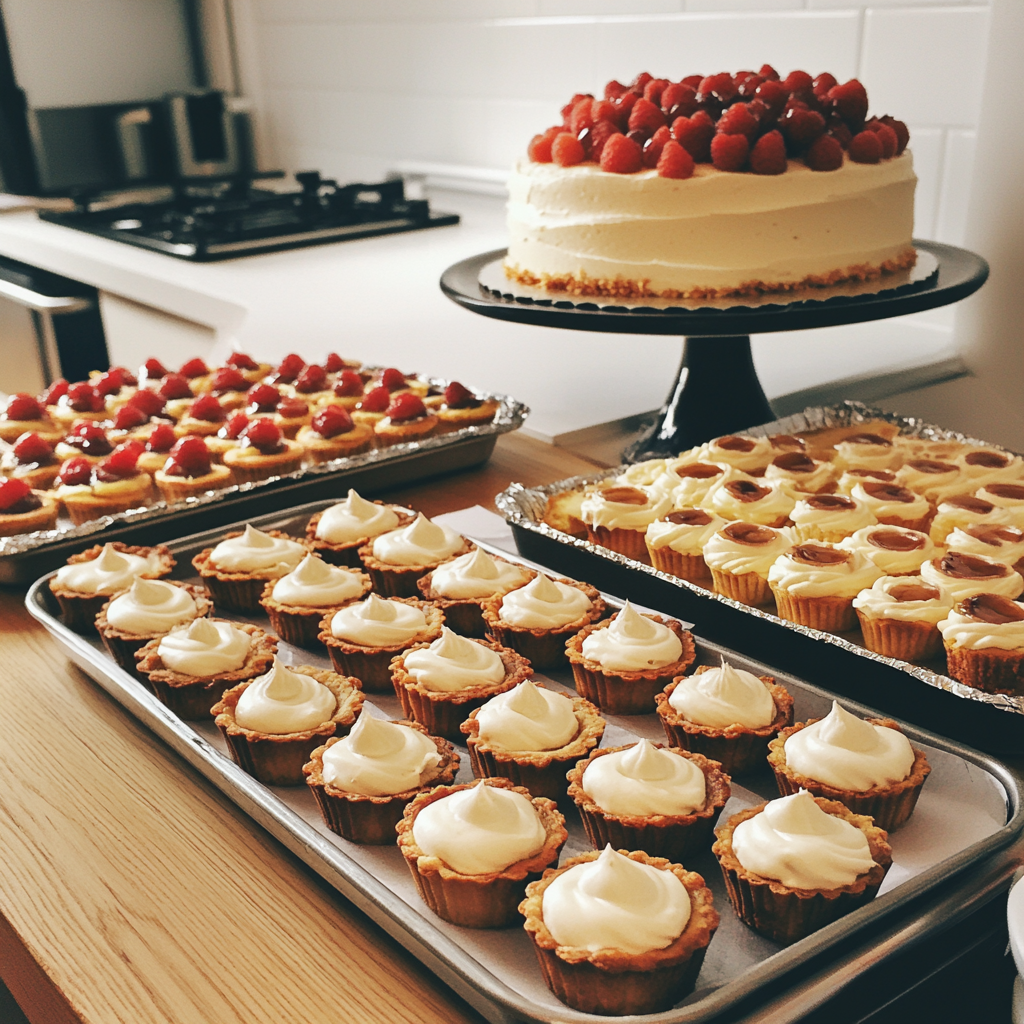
point(868, 451)
point(396, 560)
point(800, 472)
point(999, 543)
point(750, 502)
point(617, 517)
point(962, 576)
point(930, 478)
point(829, 517)
point(741, 451)
point(895, 550)
point(693, 481)
point(964, 510)
point(1008, 497)
point(892, 505)
point(985, 466)
point(676, 542)
point(984, 640)
point(899, 617)
point(338, 532)
point(740, 556)
point(856, 475)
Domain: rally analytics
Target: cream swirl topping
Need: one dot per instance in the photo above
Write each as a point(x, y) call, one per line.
point(454, 663)
point(890, 500)
point(844, 751)
point(422, 542)
point(749, 501)
point(685, 530)
point(632, 643)
point(797, 843)
point(476, 575)
point(543, 603)
point(151, 606)
point(624, 507)
point(315, 584)
point(730, 551)
point(644, 779)
point(378, 622)
point(819, 569)
point(282, 701)
point(738, 450)
point(379, 758)
point(906, 598)
point(830, 513)
point(894, 549)
point(1001, 543)
point(111, 570)
point(527, 717)
point(205, 648)
point(479, 830)
point(963, 576)
point(724, 696)
point(985, 621)
point(616, 903)
point(354, 519)
point(868, 451)
point(255, 551)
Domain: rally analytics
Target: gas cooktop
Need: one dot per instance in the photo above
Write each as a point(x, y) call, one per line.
point(221, 220)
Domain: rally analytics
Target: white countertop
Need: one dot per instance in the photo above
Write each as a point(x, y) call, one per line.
point(378, 299)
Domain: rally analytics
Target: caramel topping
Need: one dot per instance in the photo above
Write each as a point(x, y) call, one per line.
point(624, 496)
point(970, 504)
point(931, 466)
point(995, 535)
point(788, 442)
point(795, 462)
point(689, 517)
point(815, 554)
point(882, 442)
point(896, 540)
point(746, 490)
point(991, 460)
point(733, 443)
point(888, 492)
point(991, 608)
point(699, 471)
point(873, 474)
point(913, 592)
point(829, 502)
point(1015, 492)
point(749, 533)
point(968, 567)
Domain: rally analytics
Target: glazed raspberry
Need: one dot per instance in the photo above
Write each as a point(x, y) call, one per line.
point(194, 368)
point(602, 110)
point(405, 407)
point(887, 137)
point(457, 396)
point(207, 409)
point(769, 73)
point(334, 363)
point(173, 386)
point(825, 154)
point(850, 102)
point(797, 80)
point(654, 145)
point(313, 378)
point(292, 408)
point(83, 397)
point(838, 130)
point(613, 90)
point(581, 117)
point(89, 439)
point(621, 156)
point(901, 130)
point(675, 162)
point(598, 138)
point(75, 472)
point(392, 379)
point(746, 88)
point(567, 150)
point(55, 392)
point(801, 127)
point(147, 401)
point(128, 379)
point(679, 100)
point(240, 361)
point(769, 154)
point(264, 435)
point(866, 148)
point(152, 369)
point(376, 400)
point(189, 457)
point(162, 439)
point(128, 417)
point(348, 385)
point(738, 120)
point(823, 84)
point(729, 152)
point(232, 430)
point(623, 107)
point(332, 421)
point(23, 407)
point(773, 94)
point(720, 88)
point(694, 134)
point(13, 493)
point(654, 90)
point(262, 398)
point(539, 149)
point(226, 379)
point(640, 82)
point(108, 383)
point(645, 117)
point(291, 366)
point(571, 105)
point(31, 448)
point(121, 465)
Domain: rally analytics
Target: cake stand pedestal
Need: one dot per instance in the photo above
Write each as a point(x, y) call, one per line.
point(717, 390)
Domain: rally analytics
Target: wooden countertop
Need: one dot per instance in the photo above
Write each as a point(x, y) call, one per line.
point(132, 890)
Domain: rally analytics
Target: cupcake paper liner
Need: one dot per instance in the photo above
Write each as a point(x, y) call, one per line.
point(240, 595)
point(631, 543)
point(829, 614)
point(372, 669)
point(691, 568)
point(301, 629)
point(988, 668)
point(615, 695)
point(747, 588)
point(191, 703)
point(895, 638)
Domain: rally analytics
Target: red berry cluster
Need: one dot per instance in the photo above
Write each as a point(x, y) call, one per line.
point(748, 121)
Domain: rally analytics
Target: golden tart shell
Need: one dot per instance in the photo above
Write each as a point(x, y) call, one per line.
point(390, 580)
point(348, 552)
point(299, 624)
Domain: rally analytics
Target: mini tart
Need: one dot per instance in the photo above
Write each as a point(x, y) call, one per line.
point(786, 914)
point(371, 820)
point(904, 637)
point(737, 748)
point(610, 982)
point(890, 806)
point(86, 505)
point(291, 425)
point(277, 759)
point(240, 591)
point(299, 624)
point(250, 465)
point(178, 488)
point(373, 664)
point(478, 901)
point(11, 430)
point(465, 614)
point(390, 580)
point(544, 648)
point(122, 644)
point(347, 553)
point(42, 518)
point(675, 836)
point(542, 772)
point(625, 693)
point(325, 449)
point(388, 432)
point(469, 416)
point(78, 608)
point(992, 669)
point(442, 712)
point(190, 696)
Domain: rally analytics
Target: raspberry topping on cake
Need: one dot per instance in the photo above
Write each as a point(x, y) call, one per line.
point(262, 398)
point(406, 407)
point(392, 379)
point(331, 421)
point(83, 397)
point(152, 369)
point(241, 361)
point(162, 439)
point(264, 435)
point(75, 472)
point(23, 407)
point(376, 400)
point(334, 363)
point(207, 409)
point(189, 457)
point(194, 368)
point(113, 380)
point(313, 378)
point(31, 450)
point(16, 497)
point(292, 408)
point(291, 366)
point(89, 439)
point(128, 417)
point(55, 392)
point(348, 385)
point(148, 401)
point(174, 385)
point(226, 379)
point(232, 430)
point(456, 396)
point(122, 464)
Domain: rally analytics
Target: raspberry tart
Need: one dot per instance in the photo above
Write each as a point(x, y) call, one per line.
point(189, 470)
point(461, 408)
point(406, 419)
point(333, 434)
point(23, 510)
point(32, 460)
point(263, 452)
point(115, 484)
point(22, 413)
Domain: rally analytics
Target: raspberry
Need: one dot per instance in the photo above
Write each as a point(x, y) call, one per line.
point(866, 148)
point(174, 385)
point(406, 406)
point(31, 448)
point(120, 465)
point(108, 383)
point(291, 366)
point(376, 400)
point(887, 137)
point(263, 434)
point(738, 120)
point(676, 93)
point(729, 152)
point(240, 361)
point(348, 385)
point(23, 407)
point(334, 363)
point(621, 156)
point(850, 102)
point(262, 398)
point(645, 117)
point(653, 90)
point(694, 134)
point(747, 88)
point(292, 408)
point(599, 136)
point(456, 396)
point(12, 492)
point(567, 110)
point(194, 368)
point(718, 87)
point(641, 138)
point(675, 161)
point(772, 94)
point(654, 145)
point(769, 154)
point(148, 401)
point(838, 130)
point(768, 73)
point(152, 369)
point(208, 409)
point(640, 82)
point(55, 392)
point(602, 110)
point(566, 151)
point(83, 397)
point(613, 90)
point(823, 84)
point(313, 378)
point(128, 417)
point(227, 378)
point(392, 379)
point(801, 127)
point(824, 154)
point(693, 81)
point(623, 106)
point(331, 421)
point(89, 439)
point(901, 130)
point(581, 117)
point(539, 149)
point(74, 472)
point(189, 457)
point(797, 80)
point(232, 430)
point(127, 378)
point(162, 439)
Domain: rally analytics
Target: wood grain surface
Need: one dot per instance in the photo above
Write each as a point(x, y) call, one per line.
point(131, 890)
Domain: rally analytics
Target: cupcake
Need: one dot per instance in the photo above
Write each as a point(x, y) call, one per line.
point(869, 766)
point(815, 583)
point(931, 478)
point(692, 481)
point(964, 510)
point(726, 714)
point(899, 617)
point(24, 414)
point(190, 667)
point(205, 416)
point(291, 415)
point(538, 619)
point(984, 640)
point(675, 543)
point(473, 849)
point(262, 453)
point(32, 461)
point(985, 466)
point(189, 470)
point(439, 683)
point(406, 419)
point(739, 557)
point(363, 782)
point(867, 451)
point(619, 664)
point(748, 454)
point(1008, 497)
point(892, 505)
point(532, 735)
point(396, 560)
point(857, 475)
point(799, 472)
point(236, 571)
point(461, 408)
point(617, 517)
point(895, 550)
point(750, 502)
point(297, 601)
point(23, 510)
point(999, 543)
point(338, 532)
point(460, 586)
point(962, 576)
point(332, 434)
point(620, 933)
point(829, 517)
point(794, 865)
point(362, 638)
point(114, 484)
point(647, 797)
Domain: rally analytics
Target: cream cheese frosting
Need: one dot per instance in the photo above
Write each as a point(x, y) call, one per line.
point(963, 510)
point(906, 598)
point(379, 758)
point(313, 583)
point(928, 477)
point(684, 530)
point(632, 643)
point(868, 451)
point(422, 542)
point(798, 572)
point(111, 570)
point(205, 648)
point(476, 575)
point(151, 606)
point(255, 551)
point(844, 751)
point(624, 507)
point(690, 483)
point(1002, 543)
point(884, 500)
point(527, 718)
point(354, 519)
point(963, 576)
point(453, 663)
point(378, 622)
point(479, 830)
point(894, 549)
point(727, 553)
point(644, 780)
point(971, 624)
point(724, 696)
point(543, 603)
point(831, 514)
point(799, 472)
point(751, 502)
point(1007, 496)
point(741, 451)
point(798, 844)
point(615, 903)
point(282, 701)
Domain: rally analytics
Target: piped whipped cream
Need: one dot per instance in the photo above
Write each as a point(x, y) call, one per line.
point(111, 570)
point(839, 573)
point(378, 622)
point(379, 758)
point(622, 507)
point(632, 643)
point(255, 551)
point(616, 903)
point(894, 549)
point(741, 451)
point(313, 583)
point(354, 519)
point(543, 604)
point(479, 830)
point(684, 530)
point(985, 621)
point(454, 663)
point(283, 701)
point(205, 648)
point(844, 751)
point(724, 696)
point(151, 606)
point(476, 575)
point(422, 542)
point(727, 553)
point(905, 598)
point(798, 844)
point(527, 718)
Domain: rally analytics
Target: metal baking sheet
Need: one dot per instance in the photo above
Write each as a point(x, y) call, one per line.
point(25, 557)
point(969, 810)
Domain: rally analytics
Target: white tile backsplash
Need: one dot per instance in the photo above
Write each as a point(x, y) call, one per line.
point(927, 145)
point(958, 166)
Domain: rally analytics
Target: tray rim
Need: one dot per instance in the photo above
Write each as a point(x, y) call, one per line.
point(427, 941)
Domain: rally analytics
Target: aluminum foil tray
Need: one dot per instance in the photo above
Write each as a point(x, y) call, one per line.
point(923, 694)
point(25, 557)
point(969, 814)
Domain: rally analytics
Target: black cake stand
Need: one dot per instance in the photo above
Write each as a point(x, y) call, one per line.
point(717, 390)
